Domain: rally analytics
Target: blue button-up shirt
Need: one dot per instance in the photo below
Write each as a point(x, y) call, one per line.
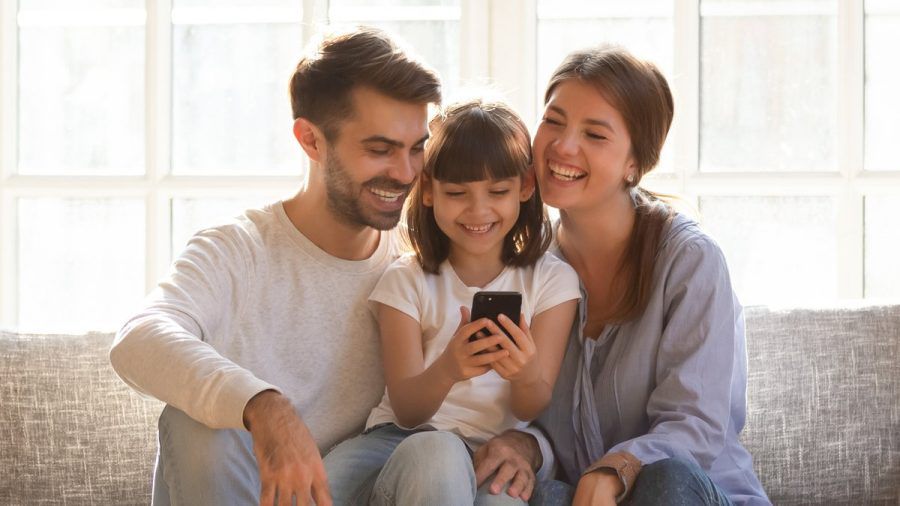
point(671, 383)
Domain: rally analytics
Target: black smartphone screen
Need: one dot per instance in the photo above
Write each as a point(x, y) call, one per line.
point(493, 304)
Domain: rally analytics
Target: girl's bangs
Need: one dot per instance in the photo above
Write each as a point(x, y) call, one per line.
point(473, 149)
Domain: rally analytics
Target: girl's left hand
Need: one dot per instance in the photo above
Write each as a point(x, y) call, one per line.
point(522, 363)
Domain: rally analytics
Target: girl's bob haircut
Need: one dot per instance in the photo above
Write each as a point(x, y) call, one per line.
point(477, 141)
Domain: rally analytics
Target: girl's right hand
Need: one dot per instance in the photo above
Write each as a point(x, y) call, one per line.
point(462, 359)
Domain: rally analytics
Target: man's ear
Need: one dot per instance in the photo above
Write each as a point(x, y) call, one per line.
point(311, 139)
point(427, 190)
point(527, 186)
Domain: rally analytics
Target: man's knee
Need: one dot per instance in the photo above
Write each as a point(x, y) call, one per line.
point(197, 459)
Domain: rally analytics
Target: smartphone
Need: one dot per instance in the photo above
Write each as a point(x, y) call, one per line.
point(493, 304)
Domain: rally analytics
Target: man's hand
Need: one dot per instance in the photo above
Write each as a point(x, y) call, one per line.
point(598, 488)
point(289, 461)
point(512, 458)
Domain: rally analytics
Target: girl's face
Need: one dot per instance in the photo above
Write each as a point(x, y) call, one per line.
point(582, 150)
point(476, 216)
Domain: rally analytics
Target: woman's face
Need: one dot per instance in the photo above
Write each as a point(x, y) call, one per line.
point(582, 150)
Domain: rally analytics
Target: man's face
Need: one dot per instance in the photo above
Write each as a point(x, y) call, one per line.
point(377, 155)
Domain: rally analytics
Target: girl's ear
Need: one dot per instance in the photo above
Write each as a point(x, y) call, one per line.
point(311, 139)
point(427, 190)
point(527, 186)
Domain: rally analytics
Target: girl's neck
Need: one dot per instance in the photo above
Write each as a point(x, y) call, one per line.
point(475, 270)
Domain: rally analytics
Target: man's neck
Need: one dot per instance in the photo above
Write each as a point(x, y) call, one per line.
point(309, 213)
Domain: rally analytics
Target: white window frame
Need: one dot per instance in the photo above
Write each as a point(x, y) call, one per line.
point(508, 31)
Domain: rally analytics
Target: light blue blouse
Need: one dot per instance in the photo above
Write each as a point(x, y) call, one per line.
point(671, 383)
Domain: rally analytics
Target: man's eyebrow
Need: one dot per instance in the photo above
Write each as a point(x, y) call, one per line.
point(589, 121)
point(391, 142)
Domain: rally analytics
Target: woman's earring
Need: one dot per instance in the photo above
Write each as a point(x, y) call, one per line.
point(629, 179)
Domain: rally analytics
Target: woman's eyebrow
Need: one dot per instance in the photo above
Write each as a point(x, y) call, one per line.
point(589, 121)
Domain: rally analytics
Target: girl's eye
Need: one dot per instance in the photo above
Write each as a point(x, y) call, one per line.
point(453, 194)
point(499, 192)
point(552, 121)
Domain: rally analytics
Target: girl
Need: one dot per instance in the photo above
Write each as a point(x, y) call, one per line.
point(475, 222)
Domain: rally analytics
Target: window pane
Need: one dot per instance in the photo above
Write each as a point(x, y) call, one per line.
point(192, 215)
point(435, 41)
point(643, 27)
point(81, 4)
point(81, 100)
point(81, 263)
point(768, 89)
point(234, 3)
point(780, 250)
point(882, 247)
point(882, 83)
point(231, 110)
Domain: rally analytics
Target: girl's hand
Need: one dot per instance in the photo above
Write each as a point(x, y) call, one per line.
point(462, 360)
point(521, 365)
point(597, 488)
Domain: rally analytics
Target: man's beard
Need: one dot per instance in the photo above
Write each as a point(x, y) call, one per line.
point(345, 196)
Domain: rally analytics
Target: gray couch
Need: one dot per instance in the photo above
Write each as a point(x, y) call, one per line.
point(823, 418)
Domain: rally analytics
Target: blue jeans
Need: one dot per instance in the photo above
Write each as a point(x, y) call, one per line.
point(197, 465)
point(390, 465)
point(668, 482)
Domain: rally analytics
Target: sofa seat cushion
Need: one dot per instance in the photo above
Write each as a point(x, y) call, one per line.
point(823, 400)
point(71, 432)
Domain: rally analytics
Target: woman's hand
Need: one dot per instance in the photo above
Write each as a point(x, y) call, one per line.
point(598, 488)
point(521, 365)
point(462, 359)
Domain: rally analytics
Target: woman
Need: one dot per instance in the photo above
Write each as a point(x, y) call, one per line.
point(651, 397)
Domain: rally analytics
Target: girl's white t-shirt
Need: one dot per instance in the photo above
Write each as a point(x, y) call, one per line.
point(479, 408)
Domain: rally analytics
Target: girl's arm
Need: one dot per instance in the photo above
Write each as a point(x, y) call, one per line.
point(535, 357)
point(417, 392)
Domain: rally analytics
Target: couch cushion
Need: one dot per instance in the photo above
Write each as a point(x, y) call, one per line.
point(823, 419)
point(70, 431)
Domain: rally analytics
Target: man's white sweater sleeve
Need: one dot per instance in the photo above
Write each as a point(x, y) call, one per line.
point(163, 351)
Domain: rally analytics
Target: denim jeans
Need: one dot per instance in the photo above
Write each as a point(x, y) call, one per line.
point(197, 465)
point(668, 482)
point(200, 466)
point(393, 466)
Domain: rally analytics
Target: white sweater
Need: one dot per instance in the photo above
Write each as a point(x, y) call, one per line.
point(254, 305)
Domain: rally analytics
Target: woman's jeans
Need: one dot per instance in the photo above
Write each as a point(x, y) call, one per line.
point(390, 465)
point(669, 482)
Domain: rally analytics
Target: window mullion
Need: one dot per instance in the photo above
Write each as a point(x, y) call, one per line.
point(9, 68)
point(686, 88)
point(474, 37)
point(158, 136)
point(850, 147)
point(512, 50)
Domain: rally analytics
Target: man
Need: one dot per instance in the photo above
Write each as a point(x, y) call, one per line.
point(259, 340)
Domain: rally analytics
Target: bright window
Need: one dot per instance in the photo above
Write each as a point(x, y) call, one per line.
point(126, 125)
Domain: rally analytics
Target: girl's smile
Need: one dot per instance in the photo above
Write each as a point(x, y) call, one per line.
point(476, 216)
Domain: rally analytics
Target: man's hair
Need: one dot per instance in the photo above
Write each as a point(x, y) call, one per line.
point(322, 84)
point(477, 141)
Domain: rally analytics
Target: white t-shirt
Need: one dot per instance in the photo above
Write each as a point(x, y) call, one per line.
point(479, 408)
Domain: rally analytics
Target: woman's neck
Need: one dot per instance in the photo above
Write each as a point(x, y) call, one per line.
point(599, 235)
